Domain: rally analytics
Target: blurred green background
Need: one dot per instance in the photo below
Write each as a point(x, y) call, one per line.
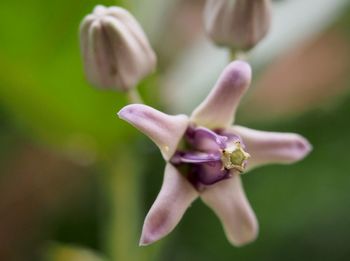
point(67, 162)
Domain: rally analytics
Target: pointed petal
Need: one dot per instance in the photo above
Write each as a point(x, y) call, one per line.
point(272, 147)
point(175, 196)
point(227, 199)
point(165, 130)
point(219, 108)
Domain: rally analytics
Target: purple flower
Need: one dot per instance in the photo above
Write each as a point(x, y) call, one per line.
point(206, 155)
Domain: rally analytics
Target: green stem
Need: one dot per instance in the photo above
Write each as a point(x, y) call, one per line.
point(121, 186)
point(123, 228)
point(238, 55)
point(134, 96)
point(124, 3)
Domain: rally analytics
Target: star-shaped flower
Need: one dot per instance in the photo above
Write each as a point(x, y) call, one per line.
point(206, 155)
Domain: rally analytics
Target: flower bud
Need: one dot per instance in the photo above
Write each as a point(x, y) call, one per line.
point(115, 50)
point(238, 24)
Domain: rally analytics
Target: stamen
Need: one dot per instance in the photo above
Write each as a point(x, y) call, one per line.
point(234, 157)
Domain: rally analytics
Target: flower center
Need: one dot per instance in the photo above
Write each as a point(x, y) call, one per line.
point(234, 157)
point(209, 156)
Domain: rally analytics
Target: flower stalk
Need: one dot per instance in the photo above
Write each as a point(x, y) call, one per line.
point(134, 96)
point(121, 230)
point(121, 183)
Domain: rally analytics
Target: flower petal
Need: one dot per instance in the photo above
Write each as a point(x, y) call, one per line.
point(204, 139)
point(175, 196)
point(219, 108)
point(195, 157)
point(272, 147)
point(227, 199)
point(165, 130)
point(208, 173)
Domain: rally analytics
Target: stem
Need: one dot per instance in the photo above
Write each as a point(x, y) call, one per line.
point(134, 96)
point(121, 185)
point(238, 55)
point(123, 227)
point(124, 3)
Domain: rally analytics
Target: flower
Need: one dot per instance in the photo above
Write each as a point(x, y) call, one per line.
point(115, 50)
point(238, 24)
point(206, 155)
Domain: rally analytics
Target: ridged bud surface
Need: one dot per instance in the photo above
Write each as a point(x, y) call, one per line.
point(238, 24)
point(115, 50)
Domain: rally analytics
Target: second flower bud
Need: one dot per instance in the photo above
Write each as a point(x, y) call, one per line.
point(238, 24)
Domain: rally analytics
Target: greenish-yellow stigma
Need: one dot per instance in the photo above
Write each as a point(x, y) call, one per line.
point(234, 157)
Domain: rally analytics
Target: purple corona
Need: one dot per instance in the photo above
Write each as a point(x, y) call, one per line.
point(210, 156)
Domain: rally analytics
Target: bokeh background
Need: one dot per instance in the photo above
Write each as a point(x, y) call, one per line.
point(76, 182)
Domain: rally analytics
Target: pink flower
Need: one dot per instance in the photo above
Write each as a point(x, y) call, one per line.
point(206, 155)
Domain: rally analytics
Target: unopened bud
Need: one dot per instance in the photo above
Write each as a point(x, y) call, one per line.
point(115, 50)
point(238, 24)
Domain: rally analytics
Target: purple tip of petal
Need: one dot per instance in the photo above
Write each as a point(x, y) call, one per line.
point(147, 240)
point(219, 108)
point(175, 196)
point(126, 112)
point(301, 146)
point(165, 130)
point(289, 148)
point(238, 73)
